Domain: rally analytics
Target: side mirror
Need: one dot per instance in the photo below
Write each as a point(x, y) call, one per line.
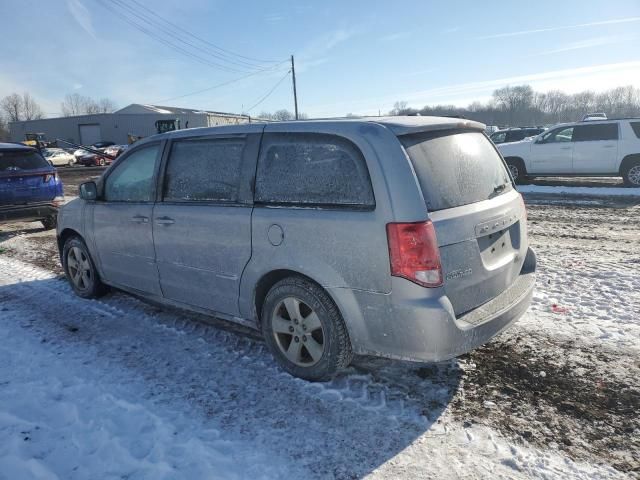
point(88, 191)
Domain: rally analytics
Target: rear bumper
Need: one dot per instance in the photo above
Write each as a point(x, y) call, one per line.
point(27, 213)
point(417, 324)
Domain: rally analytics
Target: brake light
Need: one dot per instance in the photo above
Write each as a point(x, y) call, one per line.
point(414, 253)
point(49, 176)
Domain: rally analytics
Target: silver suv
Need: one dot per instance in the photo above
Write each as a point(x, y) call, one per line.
point(399, 237)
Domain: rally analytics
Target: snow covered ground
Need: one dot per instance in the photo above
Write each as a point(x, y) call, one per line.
point(118, 388)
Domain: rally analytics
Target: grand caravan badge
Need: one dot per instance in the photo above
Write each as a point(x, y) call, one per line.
point(458, 274)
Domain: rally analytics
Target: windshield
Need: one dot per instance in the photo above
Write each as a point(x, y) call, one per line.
point(456, 168)
point(21, 160)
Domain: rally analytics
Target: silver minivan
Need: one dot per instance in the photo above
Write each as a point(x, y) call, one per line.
point(400, 237)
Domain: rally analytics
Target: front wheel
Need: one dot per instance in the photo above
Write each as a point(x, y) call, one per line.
point(102, 162)
point(304, 330)
point(631, 175)
point(80, 269)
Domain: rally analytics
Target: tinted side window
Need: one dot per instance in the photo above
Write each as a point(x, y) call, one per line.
point(21, 160)
point(515, 136)
point(312, 169)
point(558, 135)
point(636, 128)
point(203, 170)
point(133, 178)
point(600, 131)
point(499, 137)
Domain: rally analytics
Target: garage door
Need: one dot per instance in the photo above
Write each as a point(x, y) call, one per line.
point(90, 134)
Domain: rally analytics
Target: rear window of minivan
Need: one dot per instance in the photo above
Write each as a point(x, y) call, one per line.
point(21, 160)
point(456, 168)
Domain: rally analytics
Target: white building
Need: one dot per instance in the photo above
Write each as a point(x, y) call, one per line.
point(136, 119)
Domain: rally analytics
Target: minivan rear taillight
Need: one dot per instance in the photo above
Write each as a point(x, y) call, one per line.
point(414, 253)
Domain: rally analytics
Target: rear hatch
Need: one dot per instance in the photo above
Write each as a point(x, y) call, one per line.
point(479, 217)
point(25, 177)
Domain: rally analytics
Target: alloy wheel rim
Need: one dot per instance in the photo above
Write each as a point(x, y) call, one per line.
point(298, 332)
point(634, 175)
point(79, 268)
point(514, 171)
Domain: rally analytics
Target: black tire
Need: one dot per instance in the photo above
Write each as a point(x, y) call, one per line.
point(94, 287)
point(49, 223)
point(517, 169)
point(336, 346)
point(631, 174)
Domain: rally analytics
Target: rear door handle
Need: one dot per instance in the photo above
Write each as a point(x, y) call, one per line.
point(165, 221)
point(140, 219)
point(608, 146)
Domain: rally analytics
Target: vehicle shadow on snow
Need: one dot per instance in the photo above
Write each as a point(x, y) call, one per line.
point(345, 428)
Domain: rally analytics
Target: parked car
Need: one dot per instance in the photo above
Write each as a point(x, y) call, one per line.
point(30, 189)
point(59, 157)
point(402, 237)
point(101, 145)
point(515, 134)
point(115, 150)
point(93, 160)
point(594, 148)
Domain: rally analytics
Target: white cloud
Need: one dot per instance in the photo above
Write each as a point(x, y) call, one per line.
point(77, 86)
point(392, 37)
point(315, 53)
point(564, 27)
point(589, 43)
point(82, 16)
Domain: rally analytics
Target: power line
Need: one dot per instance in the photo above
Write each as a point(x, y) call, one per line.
point(268, 93)
point(151, 34)
point(201, 39)
point(177, 37)
point(274, 68)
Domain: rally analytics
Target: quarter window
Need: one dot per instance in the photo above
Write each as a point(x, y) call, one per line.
point(312, 169)
point(133, 178)
point(594, 132)
point(636, 128)
point(203, 171)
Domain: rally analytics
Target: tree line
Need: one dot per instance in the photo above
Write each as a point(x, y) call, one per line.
point(16, 108)
point(520, 106)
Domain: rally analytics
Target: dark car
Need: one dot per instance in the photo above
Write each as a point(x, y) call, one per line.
point(93, 159)
point(515, 134)
point(30, 189)
point(101, 145)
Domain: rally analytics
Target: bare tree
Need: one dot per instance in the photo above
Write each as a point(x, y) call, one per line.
point(281, 115)
point(30, 108)
point(76, 104)
point(11, 105)
point(18, 107)
point(106, 105)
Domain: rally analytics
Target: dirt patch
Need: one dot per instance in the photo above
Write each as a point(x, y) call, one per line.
point(554, 397)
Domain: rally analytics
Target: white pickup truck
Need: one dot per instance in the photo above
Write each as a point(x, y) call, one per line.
point(607, 148)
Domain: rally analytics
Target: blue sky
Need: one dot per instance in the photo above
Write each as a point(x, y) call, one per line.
point(351, 56)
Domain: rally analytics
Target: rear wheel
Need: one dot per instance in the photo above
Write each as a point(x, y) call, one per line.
point(80, 269)
point(304, 330)
point(631, 174)
point(102, 162)
point(49, 223)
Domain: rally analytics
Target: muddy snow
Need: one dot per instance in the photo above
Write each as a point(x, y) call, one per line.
point(118, 388)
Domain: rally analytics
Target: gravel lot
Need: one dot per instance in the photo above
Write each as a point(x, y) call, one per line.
point(556, 396)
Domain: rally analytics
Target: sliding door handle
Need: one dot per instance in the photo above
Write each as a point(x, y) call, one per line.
point(139, 219)
point(165, 221)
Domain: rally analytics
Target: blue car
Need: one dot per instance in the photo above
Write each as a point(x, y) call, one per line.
point(30, 189)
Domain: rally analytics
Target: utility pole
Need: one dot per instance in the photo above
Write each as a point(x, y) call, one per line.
point(295, 94)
